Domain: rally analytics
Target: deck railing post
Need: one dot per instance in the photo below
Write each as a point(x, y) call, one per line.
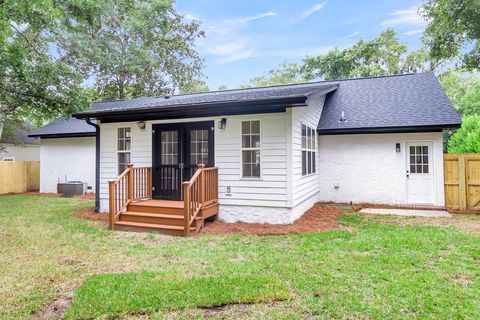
point(201, 167)
point(111, 203)
point(130, 183)
point(186, 202)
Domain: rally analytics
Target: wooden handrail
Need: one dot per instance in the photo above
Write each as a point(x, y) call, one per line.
point(199, 192)
point(131, 185)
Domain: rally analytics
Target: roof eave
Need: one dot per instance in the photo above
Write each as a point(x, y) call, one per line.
point(398, 129)
point(62, 135)
point(200, 108)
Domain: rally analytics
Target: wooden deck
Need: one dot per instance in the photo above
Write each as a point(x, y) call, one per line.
point(133, 209)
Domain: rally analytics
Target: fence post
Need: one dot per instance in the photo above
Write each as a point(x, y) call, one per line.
point(130, 183)
point(462, 192)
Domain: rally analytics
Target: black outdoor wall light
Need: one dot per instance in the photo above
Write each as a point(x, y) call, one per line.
point(397, 147)
point(141, 125)
point(222, 124)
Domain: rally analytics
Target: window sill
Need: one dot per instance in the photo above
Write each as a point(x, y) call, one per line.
point(251, 178)
point(309, 175)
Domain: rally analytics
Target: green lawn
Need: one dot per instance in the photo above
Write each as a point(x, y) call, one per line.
point(376, 270)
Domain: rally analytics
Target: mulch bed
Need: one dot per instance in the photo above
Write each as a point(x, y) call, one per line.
point(322, 216)
point(90, 214)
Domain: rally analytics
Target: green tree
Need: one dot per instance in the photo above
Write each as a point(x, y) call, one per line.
point(454, 26)
point(467, 138)
point(286, 73)
point(132, 47)
point(34, 83)
point(383, 55)
point(193, 86)
point(463, 90)
point(222, 87)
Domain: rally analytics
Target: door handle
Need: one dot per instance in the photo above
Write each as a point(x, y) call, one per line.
point(181, 165)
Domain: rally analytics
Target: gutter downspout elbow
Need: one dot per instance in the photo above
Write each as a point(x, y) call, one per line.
point(97, 163)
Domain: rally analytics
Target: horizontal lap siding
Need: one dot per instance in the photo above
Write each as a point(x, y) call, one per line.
point(304, 186)
point(270, 190)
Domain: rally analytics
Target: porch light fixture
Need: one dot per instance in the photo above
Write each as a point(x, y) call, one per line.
point(397, 147)
point(141, 125)
point(222, 124)
point(449, 131)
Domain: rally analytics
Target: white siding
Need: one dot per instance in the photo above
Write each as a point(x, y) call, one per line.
point(368, 168)
point(28, 152)
point(70, 157)
point(304, 187)
point(268, 191)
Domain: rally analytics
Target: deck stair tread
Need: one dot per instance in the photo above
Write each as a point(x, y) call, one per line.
point(151, 225)
point(153, 215)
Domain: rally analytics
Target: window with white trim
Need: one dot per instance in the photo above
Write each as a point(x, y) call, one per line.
point(251, 149)
point(124, 144)
point(308, 150)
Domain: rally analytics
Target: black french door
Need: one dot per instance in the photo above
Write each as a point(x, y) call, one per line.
point(177, 150)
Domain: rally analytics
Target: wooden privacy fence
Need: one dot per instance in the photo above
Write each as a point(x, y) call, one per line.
point(19, 176)
point(462, 181)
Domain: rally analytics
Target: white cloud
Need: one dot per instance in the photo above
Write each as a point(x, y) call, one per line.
point(312, 10)
point(404, 16)
point(228, 48)
point(239, 55)
point(353, 35)
point(413, 32)
point(243, 20)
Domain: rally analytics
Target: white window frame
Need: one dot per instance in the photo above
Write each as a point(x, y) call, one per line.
point(250, 149)
point(129, 151)
point(308, 149)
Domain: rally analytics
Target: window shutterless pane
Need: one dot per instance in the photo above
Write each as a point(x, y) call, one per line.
point(245, 127)
point(255, 127)
point(255, 141)
point(314, 162)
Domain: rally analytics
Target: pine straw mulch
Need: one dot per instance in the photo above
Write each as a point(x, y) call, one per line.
point(90, 214)
point(322, 216)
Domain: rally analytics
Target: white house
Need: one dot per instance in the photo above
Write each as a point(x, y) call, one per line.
point(20, 147)
point(67, 153)
point(278, 149)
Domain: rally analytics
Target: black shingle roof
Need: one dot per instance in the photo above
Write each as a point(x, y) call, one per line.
point(412, 100)
point(68, 127)
point(227, 96)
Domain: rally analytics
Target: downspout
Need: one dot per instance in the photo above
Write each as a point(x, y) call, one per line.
point(97, 163)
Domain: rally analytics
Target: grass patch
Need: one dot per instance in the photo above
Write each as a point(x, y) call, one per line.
point(146, 292)
point(376, 270)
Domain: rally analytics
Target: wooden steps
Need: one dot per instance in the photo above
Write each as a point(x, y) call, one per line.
point(165, 217)
point(150, 227)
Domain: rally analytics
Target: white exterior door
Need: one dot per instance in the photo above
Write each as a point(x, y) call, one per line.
point(419, 173)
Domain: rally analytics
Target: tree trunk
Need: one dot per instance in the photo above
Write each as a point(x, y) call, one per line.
point(3, 117)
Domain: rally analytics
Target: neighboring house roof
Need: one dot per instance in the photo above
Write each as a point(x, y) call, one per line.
point(21, 136)
point(64, 127)
point(401, 103)
point(228, 102)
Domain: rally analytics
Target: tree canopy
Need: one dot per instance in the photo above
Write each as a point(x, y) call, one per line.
point(132, 48)
point(463, 90)
point(453, 30)
point(384, 55)
point(34, 83)
point(285, 73)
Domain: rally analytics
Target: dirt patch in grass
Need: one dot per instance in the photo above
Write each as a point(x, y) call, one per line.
point(90, 214)
point(54, 309)
point(322, 216)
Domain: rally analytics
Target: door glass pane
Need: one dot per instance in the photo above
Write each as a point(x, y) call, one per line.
point(198, 146)
point(169, 147)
